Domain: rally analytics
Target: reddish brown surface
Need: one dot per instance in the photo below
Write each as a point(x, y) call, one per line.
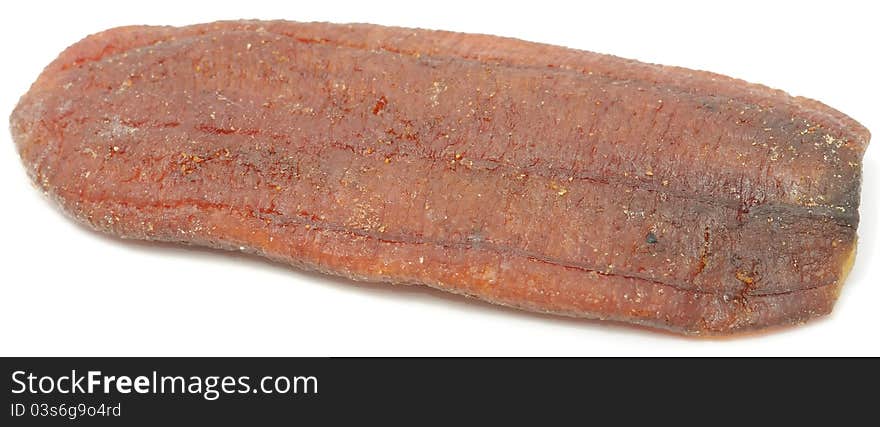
point(528, 175)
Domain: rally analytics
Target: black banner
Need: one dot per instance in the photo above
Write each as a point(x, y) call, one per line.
point(136, 391)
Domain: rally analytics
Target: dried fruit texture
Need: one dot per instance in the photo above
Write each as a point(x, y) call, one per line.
point(527, 175)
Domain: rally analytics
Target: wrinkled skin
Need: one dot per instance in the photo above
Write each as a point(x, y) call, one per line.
point(533, 176)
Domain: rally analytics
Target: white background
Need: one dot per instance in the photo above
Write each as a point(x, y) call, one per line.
point(65, 290)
